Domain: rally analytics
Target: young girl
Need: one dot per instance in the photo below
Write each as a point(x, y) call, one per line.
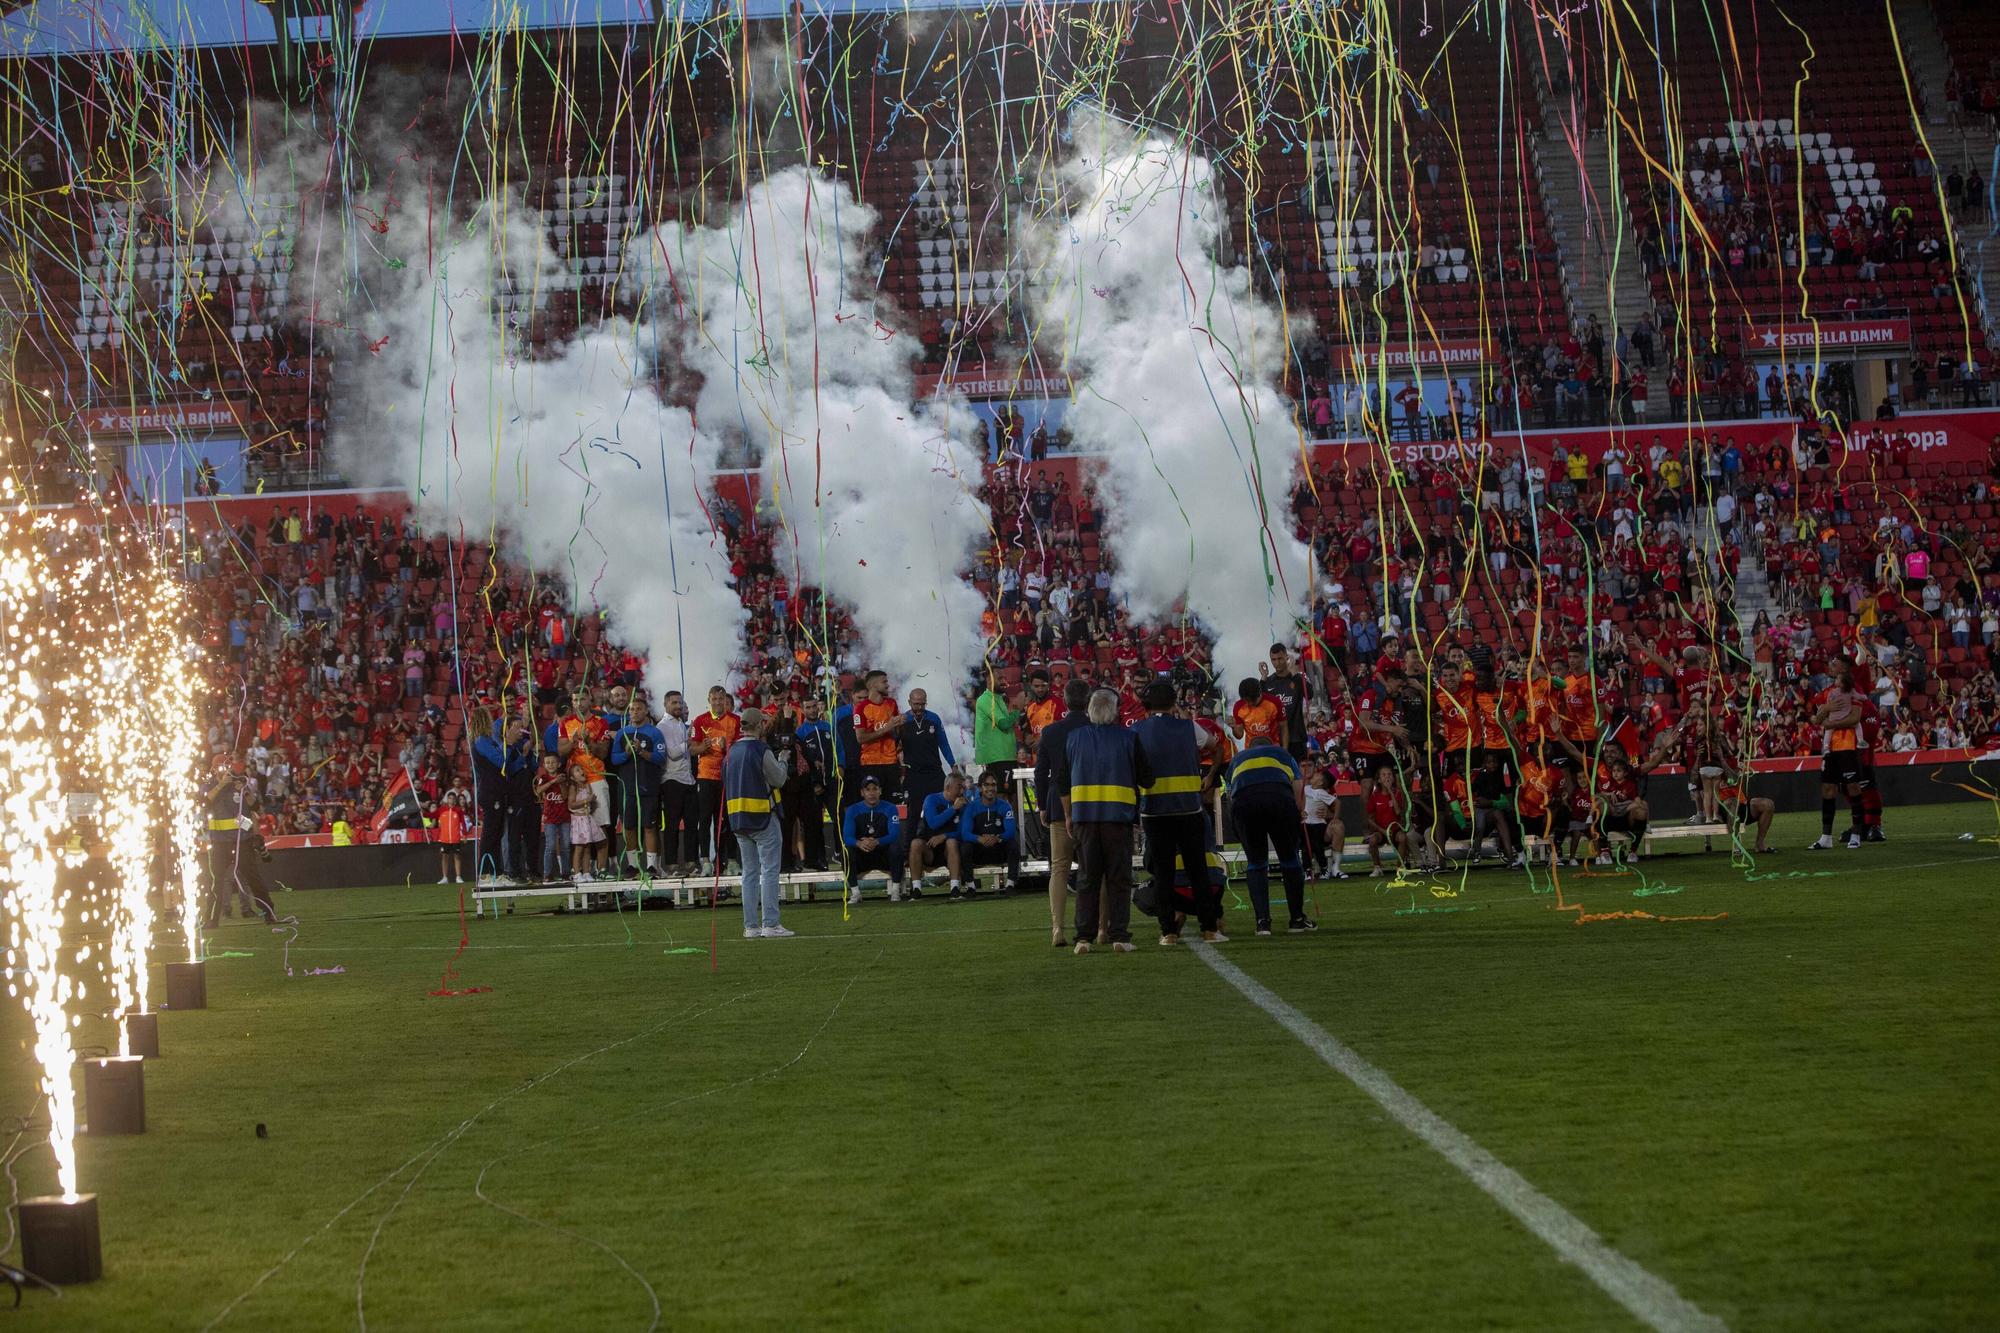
point(555, 818)
point(1326, 836)
point(1385, 813)
point(584, 832)
point(450, 833)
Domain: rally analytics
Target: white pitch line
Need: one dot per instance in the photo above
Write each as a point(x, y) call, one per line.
point(1651, 1300)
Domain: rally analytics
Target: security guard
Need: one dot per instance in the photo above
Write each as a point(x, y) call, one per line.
point(751, 776)
point(1267, 797)
point(1097, 784)
point(1171, 809)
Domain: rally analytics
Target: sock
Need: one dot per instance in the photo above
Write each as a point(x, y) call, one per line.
point(1826, 816)
point(1871, 809)
point(1855, 806)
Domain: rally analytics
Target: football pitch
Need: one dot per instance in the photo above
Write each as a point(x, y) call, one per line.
point(1455, 1106)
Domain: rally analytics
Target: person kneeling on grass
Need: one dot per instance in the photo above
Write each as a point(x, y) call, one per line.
point(870, 830)
point(986, 836)
point(934, 837)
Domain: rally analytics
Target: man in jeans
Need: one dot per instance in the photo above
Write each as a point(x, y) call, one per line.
point(751, 777)
point(1049, 753)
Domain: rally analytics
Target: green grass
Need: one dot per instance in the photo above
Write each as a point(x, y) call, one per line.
point(926, 1117)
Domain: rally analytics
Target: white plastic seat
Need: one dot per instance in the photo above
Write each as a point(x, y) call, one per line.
point(1460, 272)
point(1867, 170)
point(1846, 153)
point(1812, 156)
point(1824, 140)
point(1840, 189)
point(1784, 124)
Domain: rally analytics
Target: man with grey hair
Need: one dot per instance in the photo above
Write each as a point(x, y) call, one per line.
point(1097, 784)
point(751, 777)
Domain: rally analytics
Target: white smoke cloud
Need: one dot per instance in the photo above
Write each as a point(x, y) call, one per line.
point(573, 461)
point(1180, 360)
point(877, 496)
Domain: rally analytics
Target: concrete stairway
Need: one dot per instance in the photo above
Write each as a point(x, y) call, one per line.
point(1962, 146)
point(1600, 253)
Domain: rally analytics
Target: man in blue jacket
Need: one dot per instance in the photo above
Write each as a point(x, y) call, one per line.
point(934, 835)
point(1097, 786)
point(872, 832)
point(926, 752)
point(986, 836)
point(502, 760)
point(638, 758)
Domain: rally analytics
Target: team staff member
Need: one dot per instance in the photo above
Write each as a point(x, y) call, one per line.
point(926, 752)
point(751, 776)
point(1171, 808)
point(503, 766)
point(986, 836)
point(877, 726)
point(1050, 751)
point(934, 832)
point(809, 794)
point(229, 837)
point(871, 833)
point(1098, 785)
point(709, 741)
point(847, 750)
point(638, 756)
point(680, 800)
point(1268, 799)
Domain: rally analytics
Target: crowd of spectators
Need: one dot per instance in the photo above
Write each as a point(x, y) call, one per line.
point(351, 648)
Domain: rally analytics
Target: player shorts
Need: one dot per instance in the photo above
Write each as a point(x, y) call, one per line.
point(1365, 767)
point(600, 803)
point(1841, 768)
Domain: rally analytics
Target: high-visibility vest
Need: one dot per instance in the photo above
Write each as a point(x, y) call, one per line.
point(1175, 759)
point(746, 796)
point(1103, 783)
point(1259, 766)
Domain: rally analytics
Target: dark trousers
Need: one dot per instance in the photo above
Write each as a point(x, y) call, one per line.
point(233, 868)
point(891, 778)
point(805, 814)
point(884, 858)
point(1104, 881)
point(524, 835)
point(492, 834)
point(1267, 820)
point(712, 823)
point(972, 855)
point(1181, 840)
point(918, 784)
point(680, 819)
